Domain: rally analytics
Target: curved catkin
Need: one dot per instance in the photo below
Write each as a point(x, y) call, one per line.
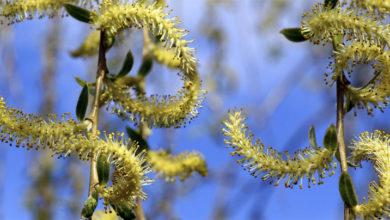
point(20, 10)
point(66, 137)
point(166, 57)
point(255, 158)
point(181, 165)
point(321, 24)
point(378, 90)
point(158, 111)
point(375, 147)
point(373, 6)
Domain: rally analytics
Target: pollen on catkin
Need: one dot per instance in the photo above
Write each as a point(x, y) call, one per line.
point(378, 7)
point(378, 90)
point(320, 24)
point(374, 147)
point(181, 165)
point(19, 10)
point(158, 111)
point(257, 159)
point(66, 137)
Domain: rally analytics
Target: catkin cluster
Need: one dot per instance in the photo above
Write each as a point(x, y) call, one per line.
point(364, 39)
point(68, 137)
point(259, 159)
point(375, 147)
point(158, 111)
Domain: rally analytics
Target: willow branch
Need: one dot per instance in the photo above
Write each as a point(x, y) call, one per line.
point(94, 114)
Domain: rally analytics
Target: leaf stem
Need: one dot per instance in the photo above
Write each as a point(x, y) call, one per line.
point(94, 114)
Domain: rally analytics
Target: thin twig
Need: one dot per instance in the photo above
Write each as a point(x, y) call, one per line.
point(94, 114)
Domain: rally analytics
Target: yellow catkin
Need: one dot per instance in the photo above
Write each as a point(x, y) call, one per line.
point(172, 166)
point(378, 90)
point(256, 158)
point(166, 57)
point(320, 24)
point(375, 147)
point(64, 137)
point(373, 6)
point(159, 111)
point(20, 10)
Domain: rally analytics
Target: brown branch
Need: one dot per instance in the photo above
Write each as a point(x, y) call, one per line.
point(94, 114)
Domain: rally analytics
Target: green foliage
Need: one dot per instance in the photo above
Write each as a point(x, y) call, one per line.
point(103, 169)
point(127, 64)
point(330, 138)
point(79, 13)
point(82, 103)
point(347, 190)
point(90, 206)
point(293, 34)
point(146, 67)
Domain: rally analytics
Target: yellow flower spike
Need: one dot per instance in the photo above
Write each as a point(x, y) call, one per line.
point(89, 47)
point(158, 111)
point(181, 165)
point(375, 147)
point(20, 10)
point(364, 52)
point(321, 24)
point(165, 56)
point(256, 158)
point(65, 137)
point(373, 6)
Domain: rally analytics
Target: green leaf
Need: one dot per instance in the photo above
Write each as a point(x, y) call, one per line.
point(347, 190)
point(293, 34)
point(349, 105)
point(89, 206)
point(330, 139)
point(146, 66)
point(81, 82)
point(103, 169)
point(127, 64)
point(79, 14)
point(330, 3)
point(82, 104)
point(135, 136)
point(110, 40)
point(124, 211)
point(312, 137)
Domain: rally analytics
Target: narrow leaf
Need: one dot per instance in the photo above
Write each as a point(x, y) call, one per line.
point(135, 136)
point(103, 169)
point(330, 139)
point(82, 104)
point(330, 3)
point(293, 34)
point(79, 14)
point(145, 68)
point(124, 211)
point(89, 206)
point(347, 190)
point(312, 137)
point(81, 82)
point(127, 64)
point(110, 40)
point(349, 105)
